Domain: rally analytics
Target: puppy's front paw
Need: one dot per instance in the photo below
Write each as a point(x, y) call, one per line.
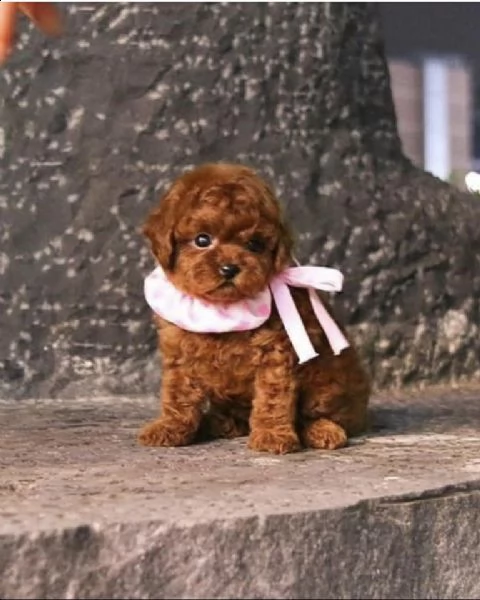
point(275, 442)
point(165, 433)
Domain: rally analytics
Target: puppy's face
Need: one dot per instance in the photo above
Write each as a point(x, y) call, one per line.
point(218, 234)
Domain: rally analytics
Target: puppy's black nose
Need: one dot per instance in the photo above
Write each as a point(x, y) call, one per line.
point(229, 271)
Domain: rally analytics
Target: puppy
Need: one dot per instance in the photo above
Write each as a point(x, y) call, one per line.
point(219, 238)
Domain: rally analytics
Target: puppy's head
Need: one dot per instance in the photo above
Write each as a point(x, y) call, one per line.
point(218, 233)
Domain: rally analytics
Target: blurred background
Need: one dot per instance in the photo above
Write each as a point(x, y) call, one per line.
point(433, 51)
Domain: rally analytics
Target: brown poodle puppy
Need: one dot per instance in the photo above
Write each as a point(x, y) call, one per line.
point(218, 234)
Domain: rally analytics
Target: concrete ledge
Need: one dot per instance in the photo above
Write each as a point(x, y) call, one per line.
point(85, 513)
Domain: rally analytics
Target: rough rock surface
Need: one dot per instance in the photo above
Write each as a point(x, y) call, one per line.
point(92, 127)
point(85, 513)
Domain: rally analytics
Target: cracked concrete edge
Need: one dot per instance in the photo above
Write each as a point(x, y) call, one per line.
point(420, 545)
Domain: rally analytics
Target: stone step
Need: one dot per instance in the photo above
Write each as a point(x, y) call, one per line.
point(86, 513)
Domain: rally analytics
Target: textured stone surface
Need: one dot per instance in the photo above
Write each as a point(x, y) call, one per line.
point(92, 127)
point(85, 513)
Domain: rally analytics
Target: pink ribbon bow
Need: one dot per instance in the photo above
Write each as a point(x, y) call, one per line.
point(312, 278)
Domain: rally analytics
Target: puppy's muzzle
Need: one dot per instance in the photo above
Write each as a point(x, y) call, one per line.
point(229, 271)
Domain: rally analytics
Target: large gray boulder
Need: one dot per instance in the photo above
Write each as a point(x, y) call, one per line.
point(94, 125)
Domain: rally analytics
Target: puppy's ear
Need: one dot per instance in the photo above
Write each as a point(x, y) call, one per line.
point(159, 230)
point(283, 250)
point(282, 253)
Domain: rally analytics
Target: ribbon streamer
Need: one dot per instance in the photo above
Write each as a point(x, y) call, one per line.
point(312, 278)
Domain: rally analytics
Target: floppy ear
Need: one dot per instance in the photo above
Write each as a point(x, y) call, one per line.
point(159, 230)
point(282, 257)
point(283, 249)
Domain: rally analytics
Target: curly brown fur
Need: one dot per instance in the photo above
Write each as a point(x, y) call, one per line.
point(233, 384)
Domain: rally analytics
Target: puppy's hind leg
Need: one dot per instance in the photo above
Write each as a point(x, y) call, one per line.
point(333, 405)
point(327, 424)
point(323, 434)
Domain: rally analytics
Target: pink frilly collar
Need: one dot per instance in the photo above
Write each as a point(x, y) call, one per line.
point(193, 314)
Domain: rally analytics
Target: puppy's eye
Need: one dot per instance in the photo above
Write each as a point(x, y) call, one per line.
point(256, 245)
point(203, 240)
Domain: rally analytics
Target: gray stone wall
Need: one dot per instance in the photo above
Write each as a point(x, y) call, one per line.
point(94, 125)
